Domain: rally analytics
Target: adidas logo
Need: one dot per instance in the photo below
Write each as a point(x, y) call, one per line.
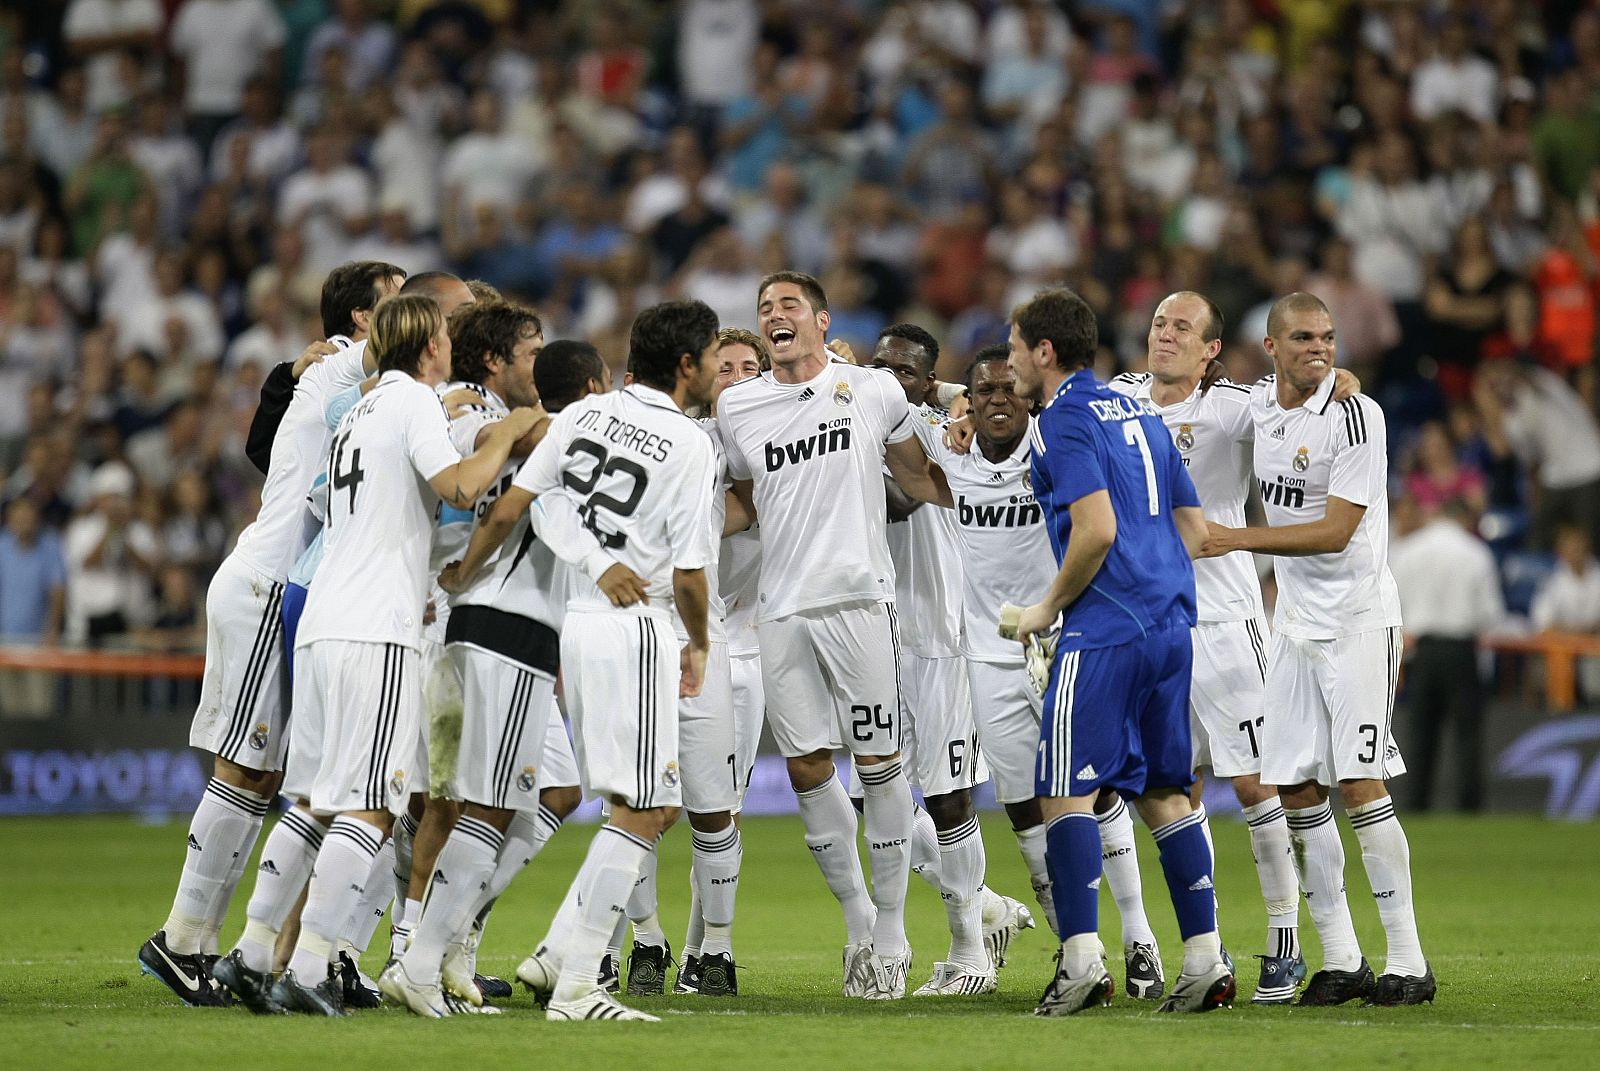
point(195, 844)
point(807, 394)
point(997, 477)
point(1087, 773)
point(268, 867)
point(1202, 885)
point(1277, 433)
point(439, 878)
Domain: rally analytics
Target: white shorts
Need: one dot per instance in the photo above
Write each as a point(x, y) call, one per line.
point(558, 766)
point(831, 680)
point(706, 740)
point(506, 712)
point(358, 715)
point(749, 714)
point(243, 714)
point(1225, 711)
point(941, 737)
point(1007, 711)
point(1329, 704)
point(621, 686)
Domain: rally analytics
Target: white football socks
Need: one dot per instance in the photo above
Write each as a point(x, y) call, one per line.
point(644, 906)
point(717, 859)
point(1120, 861)
point(1319, 857)
point(1031, 843)
point(460, 876)
point(887, 799)
point(604, 883)
point(961, 868)
point(1386, 854)
point(337, 882)
point(285, 866)
point(224, 827)
point(925, 848)
point(830, 823)
point(1269, 844)
point(374, 902)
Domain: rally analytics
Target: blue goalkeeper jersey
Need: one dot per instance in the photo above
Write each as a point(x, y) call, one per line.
point(1088, 439)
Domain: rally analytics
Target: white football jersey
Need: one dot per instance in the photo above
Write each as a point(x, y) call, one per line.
point(1005, 545)
point(374, 579)
point(716, 608)
point(738, 581)
point(926, 552)
point(283, 529)
point(1303, 456)
point(815, 453)
point(1214, 433)
point(643, 474)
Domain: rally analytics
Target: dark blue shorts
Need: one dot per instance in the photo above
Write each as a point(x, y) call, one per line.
point(1118, 717)
point(294, 604)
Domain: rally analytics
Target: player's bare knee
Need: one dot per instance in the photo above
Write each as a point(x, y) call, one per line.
point(382, 821)
point(1052, 807)
point(498, 817)
point(710, 821)
point(261, 782)
point(1162, 806)
point(416, 804)
point(875, 760)
point(1308, 794)
point(561, 801)
point(806, 772)
point(1250, 791)
point(1105, 800)
point(1024, 815)
point(949, 810)
point(1362, 791)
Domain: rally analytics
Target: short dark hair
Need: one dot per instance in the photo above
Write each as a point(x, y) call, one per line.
point(350, 287)
point(1214, 321)
point(664, 333)
point(987, 355)
point(480, 330)
point(1062, 318)
point(807, 283)
point(482, 291)
point(561, 371)
point(429, 283)
point(916, 336)
point(1299, 301)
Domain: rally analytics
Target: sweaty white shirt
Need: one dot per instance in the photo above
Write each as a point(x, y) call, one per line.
point(926, 551)
point(373, 583)
point(1004, 543)
point(1304, 456)
point(815, 452)
point(643, 474)
point(1214, 433)
point(283, 528)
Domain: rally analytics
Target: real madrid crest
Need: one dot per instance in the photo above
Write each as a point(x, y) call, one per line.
point(258, 739)
point(1185, 439)
point(527, 779)
point(1027, 482)
point(841, 393)
point(397, 783)
point(1302, 459)
point(669, 776)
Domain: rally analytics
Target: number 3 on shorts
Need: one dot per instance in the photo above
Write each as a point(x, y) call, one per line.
point(865, 719)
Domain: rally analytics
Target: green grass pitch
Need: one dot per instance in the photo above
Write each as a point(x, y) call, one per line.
point(1509, 911)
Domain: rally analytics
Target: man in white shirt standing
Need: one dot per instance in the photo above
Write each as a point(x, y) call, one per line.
point(1323, 469)
point(807, 443)
point(1450, 592)
point(357, 688)
point(644, 475)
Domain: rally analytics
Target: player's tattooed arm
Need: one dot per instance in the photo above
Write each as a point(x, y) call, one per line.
point(1330, 535)
point(487, 536)
point(1094, 530)
point(523, 446)
point(462, 483)
point(741, 508)
point(917, 476)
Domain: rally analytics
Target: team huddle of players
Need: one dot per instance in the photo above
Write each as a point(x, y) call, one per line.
point(1041, 591)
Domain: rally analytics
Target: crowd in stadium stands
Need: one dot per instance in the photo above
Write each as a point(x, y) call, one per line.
point(176, 176)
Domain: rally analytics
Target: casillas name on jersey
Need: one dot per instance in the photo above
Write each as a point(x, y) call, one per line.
point(1304, 456)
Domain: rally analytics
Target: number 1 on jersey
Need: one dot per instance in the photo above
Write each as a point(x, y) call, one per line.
point(1133, 432)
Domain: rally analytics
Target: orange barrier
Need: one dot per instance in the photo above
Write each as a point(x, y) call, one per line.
point(104, 663)
point(1560, 651)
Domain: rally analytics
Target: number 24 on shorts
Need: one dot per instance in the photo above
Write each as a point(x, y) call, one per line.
point(864, 719)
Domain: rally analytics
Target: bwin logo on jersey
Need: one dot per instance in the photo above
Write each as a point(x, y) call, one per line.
point(1018, 514)
point(828, 439)
point(1284, 493)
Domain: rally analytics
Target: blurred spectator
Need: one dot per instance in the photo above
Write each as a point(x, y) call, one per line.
point(158, 455)
point(1438, 475)
point(222, 43)
point(20, 207)
point(1454, 78)
point(110, 37)
point(1566, 138)
point(727, 30)
point(61, 126)
point(951, 162)
point(175, 320)
point(1392, 221)
point(1031, 244)
point(1027, 78)
point(177, 625)
point(110, 558)
point(260, 147)
point(1554, 435)
point(1567, 280)
point(102, 191)
point(329, 201)
point(1368, 327)
point(193, 535)
point(32, 605)
point(53, 269)
point(784, 213)
point(169, 160)
point(1465, 302)
point(394, 240)
point(757, 124)
point(488, 165)
point(1569, 601)
point(367, 44)
point(1450, 596)
point(273, 337)
point(666, 190)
